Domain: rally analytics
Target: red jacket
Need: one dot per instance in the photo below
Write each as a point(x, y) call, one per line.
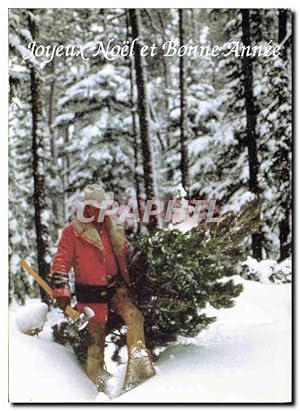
point(93, 254)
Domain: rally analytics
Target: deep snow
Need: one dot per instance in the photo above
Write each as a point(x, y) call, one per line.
point(244, 357)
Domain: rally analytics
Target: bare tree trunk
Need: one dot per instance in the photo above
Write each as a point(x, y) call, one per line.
point(51, 112)
point(143, 108)
point(282, 29)
point(167, 100)
point(184, 163)
point(251, 124)
point(166, 97)
point(66, 171)
point(55, 197)
point(284, 173)
point(136, 152)
point(38, 166)
point(134, 131)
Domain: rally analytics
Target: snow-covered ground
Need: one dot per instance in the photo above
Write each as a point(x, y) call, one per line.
point(244, 357)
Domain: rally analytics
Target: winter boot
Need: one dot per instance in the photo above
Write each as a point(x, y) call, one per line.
point(139, 366)
point(102, 380)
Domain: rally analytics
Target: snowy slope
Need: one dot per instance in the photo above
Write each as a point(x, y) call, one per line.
point(244, 357)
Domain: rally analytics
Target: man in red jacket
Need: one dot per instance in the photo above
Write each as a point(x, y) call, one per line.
point(97, 252)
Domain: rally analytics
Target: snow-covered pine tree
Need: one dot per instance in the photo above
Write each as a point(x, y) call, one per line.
point(95, 110)
point(203, 113)
point(19, 36)
point(234, 152)
point(272, 105)
point(206, 127)
point(274, 121)
point(158, 26)
point(21, 231)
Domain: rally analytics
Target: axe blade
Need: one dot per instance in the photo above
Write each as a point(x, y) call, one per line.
point(82, 321)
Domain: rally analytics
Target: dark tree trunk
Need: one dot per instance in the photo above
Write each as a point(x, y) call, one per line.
point(134, 130)
point(142, 105)
point(282, 29)
point(166, 75)
point(136, 151)
point(166, 99)
point(66, 172)
point(38, 167)
point(184, 161)
point(250, 124)
point(55, 196)
point(284, 166)
point(51, 108)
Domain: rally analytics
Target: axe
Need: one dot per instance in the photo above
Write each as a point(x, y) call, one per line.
point(79, 321)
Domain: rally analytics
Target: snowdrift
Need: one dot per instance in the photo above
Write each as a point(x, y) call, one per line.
point(244, 357)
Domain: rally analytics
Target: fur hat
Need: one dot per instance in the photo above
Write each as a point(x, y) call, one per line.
point(96, 193)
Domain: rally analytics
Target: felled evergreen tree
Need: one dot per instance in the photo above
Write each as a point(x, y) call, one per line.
point(176, 274)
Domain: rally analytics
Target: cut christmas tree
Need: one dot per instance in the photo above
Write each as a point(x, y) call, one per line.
point(177, 274)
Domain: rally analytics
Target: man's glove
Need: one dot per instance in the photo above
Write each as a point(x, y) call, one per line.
point(62, 302)
point(59, 280)
point(61, 289)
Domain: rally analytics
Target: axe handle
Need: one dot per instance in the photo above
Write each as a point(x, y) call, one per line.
point(41, 282)
point(71, 312)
